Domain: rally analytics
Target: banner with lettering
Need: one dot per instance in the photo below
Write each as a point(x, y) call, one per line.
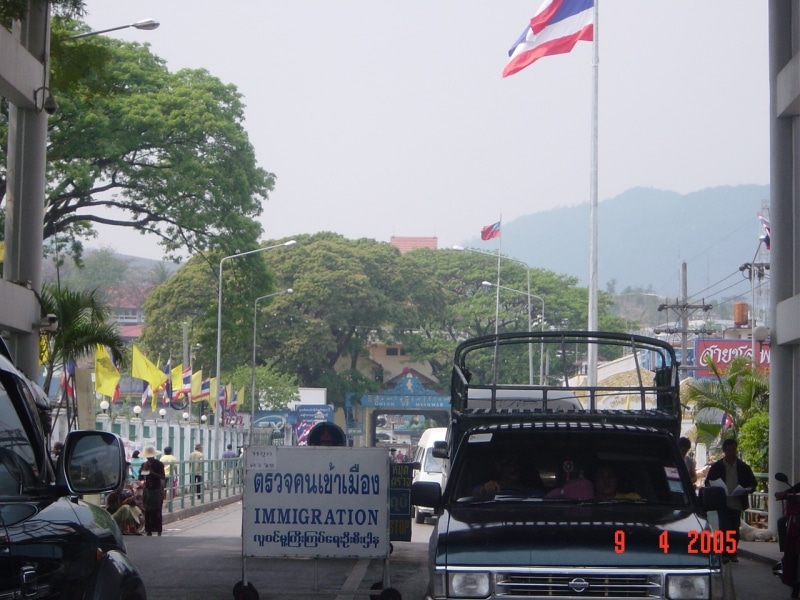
point(723, 351)
point(316, 501)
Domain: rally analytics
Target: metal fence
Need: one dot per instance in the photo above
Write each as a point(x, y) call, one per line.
point(196, 483)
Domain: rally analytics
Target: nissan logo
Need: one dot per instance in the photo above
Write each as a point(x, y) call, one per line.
point(578, 585)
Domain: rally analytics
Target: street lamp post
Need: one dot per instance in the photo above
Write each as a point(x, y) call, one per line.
point(219, 331)
point(145, 24)
point(524, 264)
point(497, 305)
point(253, 368)
point(530, 327)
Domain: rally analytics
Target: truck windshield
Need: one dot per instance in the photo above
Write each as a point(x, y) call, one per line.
point(17, 460)
point(553, 464)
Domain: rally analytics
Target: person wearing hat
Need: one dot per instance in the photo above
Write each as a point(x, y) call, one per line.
point(152, 473)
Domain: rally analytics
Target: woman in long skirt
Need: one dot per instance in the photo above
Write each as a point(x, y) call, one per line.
point(152, 473)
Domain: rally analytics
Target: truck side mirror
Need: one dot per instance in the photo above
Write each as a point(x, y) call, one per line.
point(439, 449)
point(712, 498)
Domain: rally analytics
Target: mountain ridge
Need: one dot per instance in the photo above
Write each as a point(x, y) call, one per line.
point(714, 230)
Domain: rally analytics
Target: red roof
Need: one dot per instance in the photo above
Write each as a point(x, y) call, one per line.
point(404, 244)
point(131, 332)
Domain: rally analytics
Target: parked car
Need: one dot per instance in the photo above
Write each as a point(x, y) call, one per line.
point(428, 467)
point(52, 543)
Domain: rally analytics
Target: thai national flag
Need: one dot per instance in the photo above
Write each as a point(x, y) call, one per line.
point(167, 385)
point(555, 29)
point(490, 231)
point(726, 421)
point(187, 380)
point(222, 397)
point(301, 431)
point(767, 229)
point(68, 379)
point(205, 390)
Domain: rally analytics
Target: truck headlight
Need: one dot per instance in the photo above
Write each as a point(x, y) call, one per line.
point(687, 587)
point(472, 584)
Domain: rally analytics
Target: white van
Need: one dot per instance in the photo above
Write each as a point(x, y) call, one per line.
point(430, 467)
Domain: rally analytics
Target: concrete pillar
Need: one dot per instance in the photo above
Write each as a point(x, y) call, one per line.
point(785, 280)
point(27, 139)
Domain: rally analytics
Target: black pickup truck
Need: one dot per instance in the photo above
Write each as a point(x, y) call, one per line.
point(52, 543)
point(572, 487)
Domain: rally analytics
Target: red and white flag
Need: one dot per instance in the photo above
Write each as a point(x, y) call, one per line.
point(490, 231)
point(555, 29)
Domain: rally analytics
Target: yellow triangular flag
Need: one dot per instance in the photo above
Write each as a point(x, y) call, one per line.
point(197, 383)
point(214, 394)
point(177, 379)
point(144, 369)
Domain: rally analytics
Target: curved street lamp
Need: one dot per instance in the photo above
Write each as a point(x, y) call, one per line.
point(144, 24)
point(219, 331)
point(253, 367)
point(530, 327)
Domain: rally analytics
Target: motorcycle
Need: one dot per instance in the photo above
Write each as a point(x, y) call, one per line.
point(788, 568)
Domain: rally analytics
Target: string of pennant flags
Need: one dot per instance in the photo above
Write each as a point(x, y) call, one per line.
point(169, 383)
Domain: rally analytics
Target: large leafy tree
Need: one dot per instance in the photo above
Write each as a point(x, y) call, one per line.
point(17, 9)
point(190, 298)
point(346, 292)
point(349, 294)
point(449, 303)
point(133, 145)
point(273, 390)
point(83, 322)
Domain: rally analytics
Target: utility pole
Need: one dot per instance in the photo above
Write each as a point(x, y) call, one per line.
point(683, 310)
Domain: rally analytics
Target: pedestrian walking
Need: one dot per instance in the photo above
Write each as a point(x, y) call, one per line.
point(196, 462)
point(170, 471)
point(739, 481)
point(152, 474)
point(229, 464)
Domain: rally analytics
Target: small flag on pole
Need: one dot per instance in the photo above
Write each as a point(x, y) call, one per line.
point(555, 29)
point(765, 224)
point(188, 378)
point(167, 385)
point(490, 231)
point(106, 375)
point(204, 392)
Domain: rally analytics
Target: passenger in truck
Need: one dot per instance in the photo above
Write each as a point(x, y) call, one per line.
point(512, 476)
point(606, 484)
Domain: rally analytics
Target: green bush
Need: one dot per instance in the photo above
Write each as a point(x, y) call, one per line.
point(754, 442)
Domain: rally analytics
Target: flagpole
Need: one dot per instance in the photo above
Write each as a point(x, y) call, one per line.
point(592, 325)
point(497, 287)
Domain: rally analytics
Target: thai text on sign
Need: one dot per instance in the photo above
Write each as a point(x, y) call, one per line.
point(316, 501)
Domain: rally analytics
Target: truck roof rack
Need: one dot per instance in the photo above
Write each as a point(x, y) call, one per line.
point(495, 379)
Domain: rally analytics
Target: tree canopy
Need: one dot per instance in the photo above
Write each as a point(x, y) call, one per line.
point(190, 297)
point(133, 145)
point(352, 294)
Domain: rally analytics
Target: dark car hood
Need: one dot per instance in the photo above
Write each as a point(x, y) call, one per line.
point(538, 534)
point(50, 535)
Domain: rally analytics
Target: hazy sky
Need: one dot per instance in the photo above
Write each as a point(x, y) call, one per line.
point(388, 118)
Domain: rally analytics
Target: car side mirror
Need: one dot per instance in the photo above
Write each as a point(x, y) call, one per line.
point(439, 449)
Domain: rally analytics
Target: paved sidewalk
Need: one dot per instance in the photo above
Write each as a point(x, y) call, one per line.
point(211, 501)
point(766, 552)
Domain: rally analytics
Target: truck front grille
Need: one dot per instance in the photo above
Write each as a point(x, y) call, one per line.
point(577, 584)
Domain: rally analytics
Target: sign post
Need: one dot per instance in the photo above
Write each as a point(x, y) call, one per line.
point(315, 502)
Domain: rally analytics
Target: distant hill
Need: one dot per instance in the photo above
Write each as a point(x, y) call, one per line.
point(644, 236)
